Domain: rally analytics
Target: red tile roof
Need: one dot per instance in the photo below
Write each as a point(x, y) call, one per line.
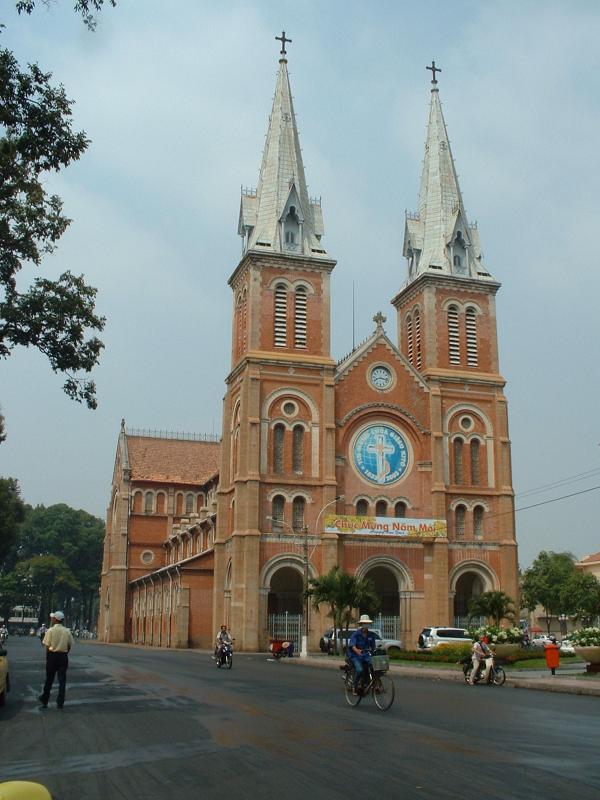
point(590, 559)
point(172, 460)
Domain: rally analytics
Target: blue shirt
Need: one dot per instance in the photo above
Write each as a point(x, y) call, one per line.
point(362, 641)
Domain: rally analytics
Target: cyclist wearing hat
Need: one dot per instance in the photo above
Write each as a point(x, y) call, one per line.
point(360, 647)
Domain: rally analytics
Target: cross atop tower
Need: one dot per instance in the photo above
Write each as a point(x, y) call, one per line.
point(283, 40)
point(379, 319)
point(433, 69)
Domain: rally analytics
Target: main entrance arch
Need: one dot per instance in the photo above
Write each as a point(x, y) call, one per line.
point(393, 586)
point(468, 581)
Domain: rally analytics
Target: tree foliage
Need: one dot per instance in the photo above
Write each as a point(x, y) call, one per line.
point(343, 594)
point(56, 561)
point(83, 7)
point(54, 316)
point(12, 512)
point(495, 606)
point(580, 597)
point(544, 582)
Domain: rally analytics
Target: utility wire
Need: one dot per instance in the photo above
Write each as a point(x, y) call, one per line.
point(563, 482)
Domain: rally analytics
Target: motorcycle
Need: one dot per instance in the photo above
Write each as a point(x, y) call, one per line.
point(496, 677)
point(225, 658)
point(281, 649)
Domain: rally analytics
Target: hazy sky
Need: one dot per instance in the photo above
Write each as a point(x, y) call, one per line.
point(176, 98)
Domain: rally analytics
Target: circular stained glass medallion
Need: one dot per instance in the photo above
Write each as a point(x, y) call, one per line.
point(380, 454)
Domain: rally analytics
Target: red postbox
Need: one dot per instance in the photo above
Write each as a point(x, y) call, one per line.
point(552, 657)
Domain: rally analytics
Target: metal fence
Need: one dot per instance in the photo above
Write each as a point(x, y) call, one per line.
point(468, 622)
point(389, 626)
point(286, 626)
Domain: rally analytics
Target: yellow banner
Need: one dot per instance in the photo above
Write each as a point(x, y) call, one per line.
point(387, 526)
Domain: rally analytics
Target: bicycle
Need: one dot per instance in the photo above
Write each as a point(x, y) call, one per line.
point(378, 683)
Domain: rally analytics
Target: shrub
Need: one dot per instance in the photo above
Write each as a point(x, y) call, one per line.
point(586, 637)
point(444, 653)
point(496, 635)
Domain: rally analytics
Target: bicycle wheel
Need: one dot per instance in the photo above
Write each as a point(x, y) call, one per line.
point(499, 676)
point(351, 699)
point(383, 691)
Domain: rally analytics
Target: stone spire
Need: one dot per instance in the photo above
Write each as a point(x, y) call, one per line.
point(438, 239)
point(279, 217)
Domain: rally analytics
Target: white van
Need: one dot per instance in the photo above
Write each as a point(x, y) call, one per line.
point(431, 637)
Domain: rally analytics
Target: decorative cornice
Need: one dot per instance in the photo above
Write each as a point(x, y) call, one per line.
point(378, 405)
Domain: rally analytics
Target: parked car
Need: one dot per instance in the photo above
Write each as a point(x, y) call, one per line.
point(566, 646)
point(434, 636)
point(540, 641)
point(327, 643)
point(4, 677)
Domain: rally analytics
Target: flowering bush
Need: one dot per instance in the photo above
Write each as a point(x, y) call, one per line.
point(496, 635)
point(586, 637)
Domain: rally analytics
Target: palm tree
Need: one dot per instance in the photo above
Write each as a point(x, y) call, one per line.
point(344, 594)
point(496, 606)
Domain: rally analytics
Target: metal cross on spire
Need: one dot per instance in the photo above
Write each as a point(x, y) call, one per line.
point(283, 40)
point(379, 319)
point(433, 69)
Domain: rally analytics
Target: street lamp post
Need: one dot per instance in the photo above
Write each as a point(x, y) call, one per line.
point(304, 647)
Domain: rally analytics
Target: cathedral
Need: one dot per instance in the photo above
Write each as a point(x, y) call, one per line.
point(393, 464)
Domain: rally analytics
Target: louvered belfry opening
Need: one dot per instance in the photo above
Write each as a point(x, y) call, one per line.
point(471, 330)
point(453, 336)
point(280, 315)
point(300, 317)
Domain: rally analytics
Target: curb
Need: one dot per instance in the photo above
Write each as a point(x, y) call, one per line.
point(558, 685)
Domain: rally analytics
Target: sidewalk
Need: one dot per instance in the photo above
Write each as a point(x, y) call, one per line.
point(568, 682)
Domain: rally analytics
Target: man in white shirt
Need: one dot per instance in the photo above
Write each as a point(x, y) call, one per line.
point(57, 641)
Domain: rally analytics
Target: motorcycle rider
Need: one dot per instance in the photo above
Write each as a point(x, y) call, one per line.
point(361, 643)
point(3, 633)
point(481, 652)
point(223, 637)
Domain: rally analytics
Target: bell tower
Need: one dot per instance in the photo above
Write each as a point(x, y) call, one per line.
point(278, 442)
point(446, 323)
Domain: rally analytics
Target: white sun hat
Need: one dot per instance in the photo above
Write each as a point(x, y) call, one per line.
point(365, 620)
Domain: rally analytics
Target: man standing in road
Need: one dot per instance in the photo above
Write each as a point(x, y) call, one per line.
point(57, 641)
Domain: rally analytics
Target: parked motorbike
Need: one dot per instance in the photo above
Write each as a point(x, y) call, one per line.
point(225, 658)
point(496, 677)
point(281, 649)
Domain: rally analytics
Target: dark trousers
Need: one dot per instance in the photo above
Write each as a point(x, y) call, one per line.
point(56, 664)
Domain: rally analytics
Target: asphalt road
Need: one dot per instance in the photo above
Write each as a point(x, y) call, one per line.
point(143, 723)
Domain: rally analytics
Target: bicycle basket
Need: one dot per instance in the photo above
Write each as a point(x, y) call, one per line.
point(380, 663)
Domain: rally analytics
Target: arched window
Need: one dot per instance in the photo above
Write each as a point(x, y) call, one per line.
point(137, 502)
point(459, 520)
point(300, 317)
point(298, 513)
point(160, 503)
point(148, 502)
point(400, 509)
point(453, 337)
point(280, 315)
point(291, 228)
point(190, 502)
point(277, 511)
point(244, 320)
point(179, 504)
point(471, 330)
point(478, 520)
point(278, 438)
point(362, 508)
point(417, 320)
point(474, 462)
point(458, 460)
point(409, 340)
point(381, 508)
point(298, 448)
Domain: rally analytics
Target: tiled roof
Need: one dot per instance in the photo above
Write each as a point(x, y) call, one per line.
point(172, 460)
point(592, 559)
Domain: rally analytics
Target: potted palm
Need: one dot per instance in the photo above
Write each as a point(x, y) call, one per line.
point(586, 642)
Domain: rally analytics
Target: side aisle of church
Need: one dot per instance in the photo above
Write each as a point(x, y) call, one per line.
point(393, 463)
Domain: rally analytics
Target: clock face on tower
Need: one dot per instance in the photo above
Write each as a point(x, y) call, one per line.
point(381, 377)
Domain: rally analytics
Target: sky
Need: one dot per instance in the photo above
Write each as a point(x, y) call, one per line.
point(176, 98)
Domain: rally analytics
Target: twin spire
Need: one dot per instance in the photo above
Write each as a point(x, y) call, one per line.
point(279, 216)
point(438, 239)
